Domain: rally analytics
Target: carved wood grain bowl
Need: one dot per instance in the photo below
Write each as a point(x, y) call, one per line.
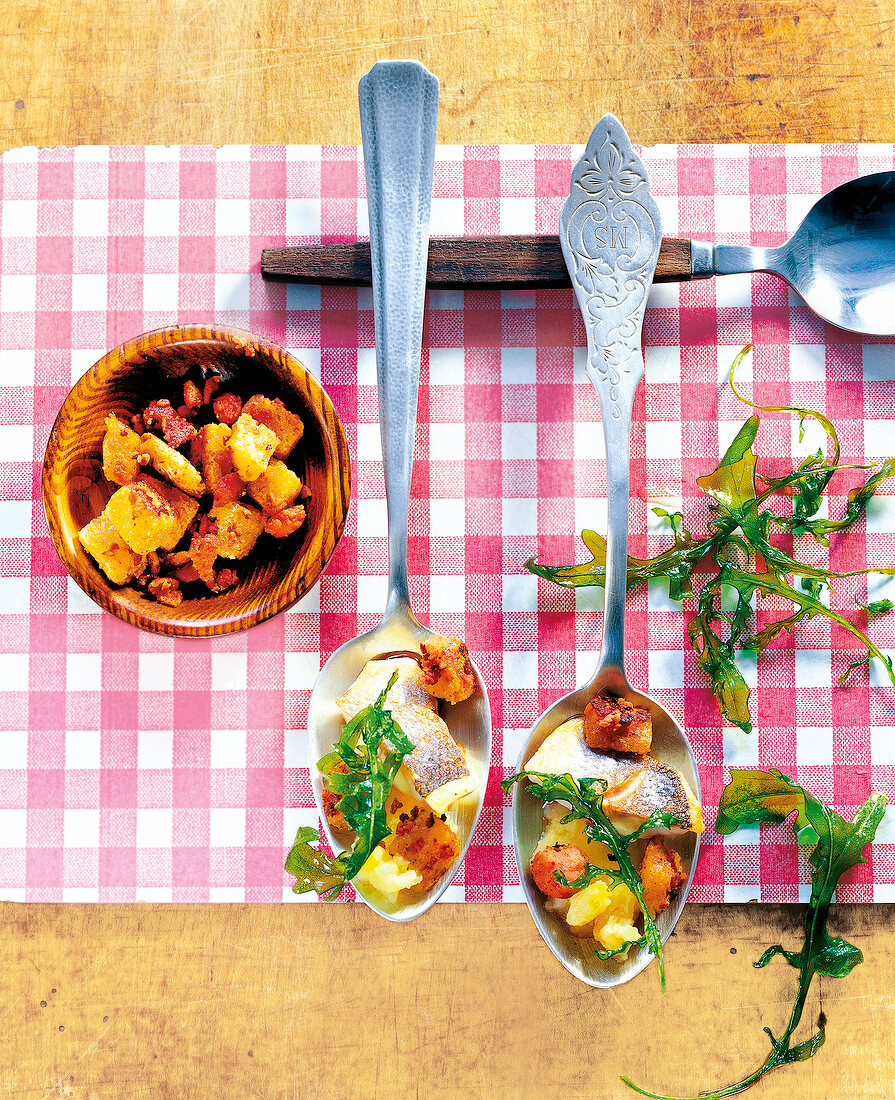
point(278, 571)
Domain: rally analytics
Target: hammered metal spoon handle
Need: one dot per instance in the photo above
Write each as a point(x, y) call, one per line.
point(398, 114)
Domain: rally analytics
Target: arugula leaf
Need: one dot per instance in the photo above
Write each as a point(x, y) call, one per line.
point(585, 797)
point(756, 797)
point(745, 562)
point(313, 869)
point(372, 747)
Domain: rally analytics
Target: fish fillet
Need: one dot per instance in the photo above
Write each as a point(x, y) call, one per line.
point(437, 765)
point(637, 786)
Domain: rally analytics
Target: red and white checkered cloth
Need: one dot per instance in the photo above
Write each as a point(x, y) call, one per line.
point(139, 767)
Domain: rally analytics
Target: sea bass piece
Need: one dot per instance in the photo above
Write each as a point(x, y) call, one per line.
point(637, 786)
point(437, 764)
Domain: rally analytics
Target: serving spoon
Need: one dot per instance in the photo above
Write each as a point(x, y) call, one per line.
point(610, 233)
point(841, 259)
point(398, 111)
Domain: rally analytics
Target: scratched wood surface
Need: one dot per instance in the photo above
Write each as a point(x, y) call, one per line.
point(277, 1001)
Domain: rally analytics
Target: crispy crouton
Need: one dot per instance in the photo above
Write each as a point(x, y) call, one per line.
point(121, 452)
point(251, 447)
point(143, 517)
point(112, 554)
point(426, 842)
point(172, 465)
point(274, 414)
point(661, 874)
point(276, 488)
point(167, 591)
point(447, 671)
point(238, 529)
point(618, 725)
point(209, 451)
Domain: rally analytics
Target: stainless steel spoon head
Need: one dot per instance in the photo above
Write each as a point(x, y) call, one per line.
point(671, 747)
point(469, 723)
point(841, 259)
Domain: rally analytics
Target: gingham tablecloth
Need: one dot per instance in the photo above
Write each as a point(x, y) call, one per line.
point(135, 767)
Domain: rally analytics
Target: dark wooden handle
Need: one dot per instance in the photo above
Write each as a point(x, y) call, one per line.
point(457, 262)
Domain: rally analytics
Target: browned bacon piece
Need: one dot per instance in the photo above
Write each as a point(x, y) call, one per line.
point(175, 429)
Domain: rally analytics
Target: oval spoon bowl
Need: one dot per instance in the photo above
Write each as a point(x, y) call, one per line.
point(576, 954)
point(469, 723)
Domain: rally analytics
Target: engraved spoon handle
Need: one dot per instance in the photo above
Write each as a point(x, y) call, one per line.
point(398, 114)
point(610, 232)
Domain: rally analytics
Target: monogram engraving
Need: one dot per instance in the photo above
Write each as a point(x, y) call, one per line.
point(610, 231)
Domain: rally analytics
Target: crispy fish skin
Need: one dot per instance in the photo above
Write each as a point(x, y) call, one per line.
point(637, 786)
point(437, 764)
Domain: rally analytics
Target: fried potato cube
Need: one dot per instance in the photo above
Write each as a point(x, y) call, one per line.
point(618, 725)
point(116, 559)
point(285, 523)
point(274, 414)
point(276, 488)
point(143, 517)
point(238, 528)
point(184, 507)
point(447, 672)
point(209, 451)
point(661, 874)
point(173, 465)
point(121, 452)
point(251, 446)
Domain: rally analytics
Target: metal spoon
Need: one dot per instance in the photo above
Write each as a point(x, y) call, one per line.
point(610, 233)
point(841, 259)
point(399, 111)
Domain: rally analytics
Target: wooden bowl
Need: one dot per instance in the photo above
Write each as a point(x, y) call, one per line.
point(278, 571)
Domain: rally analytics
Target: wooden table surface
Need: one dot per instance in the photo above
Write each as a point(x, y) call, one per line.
point(297, 1001)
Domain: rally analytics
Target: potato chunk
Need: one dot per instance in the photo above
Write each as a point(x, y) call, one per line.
point(274, 414)
point(276, 488)
point(172, 465)
point(209, 450)
point(238, 528)
point(116, 559)
point(143, 517)
point(618, 725)
point(121, 452)
point(251, 447)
